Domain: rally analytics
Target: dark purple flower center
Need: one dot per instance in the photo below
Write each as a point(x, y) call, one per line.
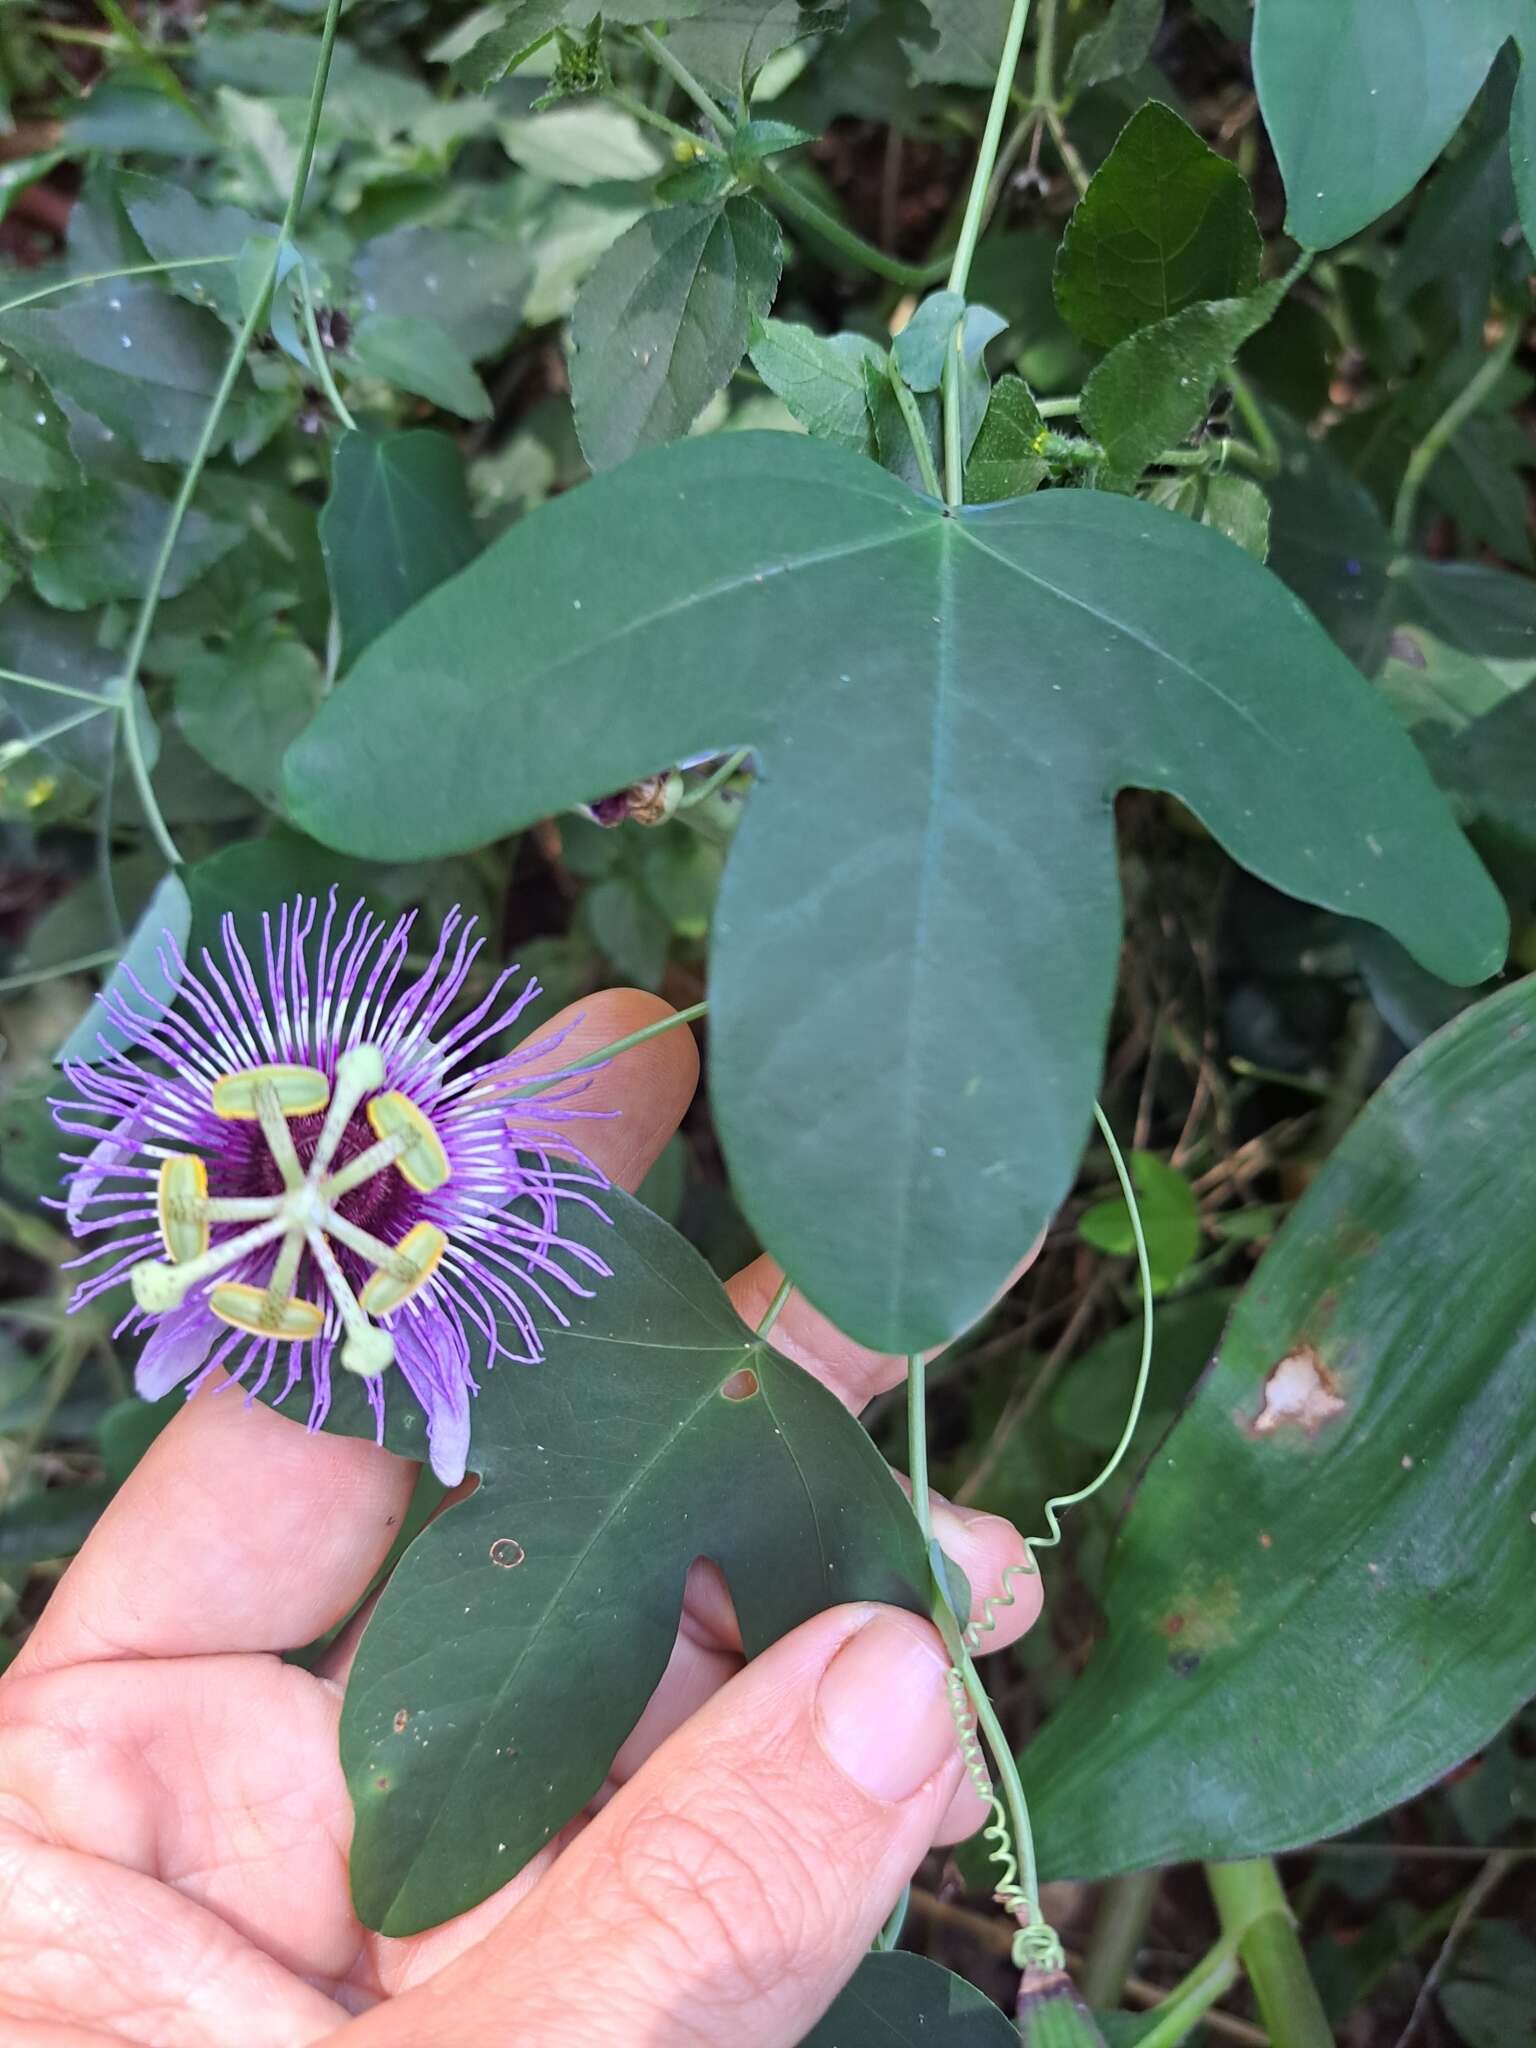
point(387, 1204)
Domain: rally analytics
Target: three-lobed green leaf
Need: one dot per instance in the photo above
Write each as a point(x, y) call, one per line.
point(656, 1431)
point(915, 942)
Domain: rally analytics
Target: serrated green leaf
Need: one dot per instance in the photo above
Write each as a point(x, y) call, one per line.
point(656, 1430)
point(820, 377)
point(168, 912)
point(395, 526)
point(754, 140)
point(243, 706)
point(1155, 387)
point(1377, 1380)
point(1008, 459)
point(1165, 224)
point(665, 319)
point(418, 356)
point(898, 1998)
point(1361, 96)
point(945, 704)
point(1121, 45)
point(510, 43)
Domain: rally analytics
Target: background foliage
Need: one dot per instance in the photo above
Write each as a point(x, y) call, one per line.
point(1253, 288)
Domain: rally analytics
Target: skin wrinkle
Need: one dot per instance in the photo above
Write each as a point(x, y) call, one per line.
point(226, 1757)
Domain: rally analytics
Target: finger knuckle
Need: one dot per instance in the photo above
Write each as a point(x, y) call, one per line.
point(727, 1879)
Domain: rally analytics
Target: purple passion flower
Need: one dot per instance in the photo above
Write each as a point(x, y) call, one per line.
point(317, 1168)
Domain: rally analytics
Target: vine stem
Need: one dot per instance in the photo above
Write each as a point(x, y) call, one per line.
point(34, 975)
point(775, 1308)
point(604, 1053)
point(1461, 408)
point(12, 675)
point(917, 1442)
point(917, 434)
point(787, 196)
point(1256, 1915)
point(965, 246)
point(69, 284)
point(684, 79)
point(639, 111)
point(192, 475)
point(318, 353)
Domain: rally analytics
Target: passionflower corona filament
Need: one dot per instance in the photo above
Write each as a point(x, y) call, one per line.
point(312, 1167)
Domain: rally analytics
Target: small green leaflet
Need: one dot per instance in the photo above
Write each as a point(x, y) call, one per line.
point(1170, 1218)
point(1008, 460)
point(1155, 387)
point(820, 378)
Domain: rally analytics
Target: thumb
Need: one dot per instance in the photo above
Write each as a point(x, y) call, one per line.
point(729, 1890)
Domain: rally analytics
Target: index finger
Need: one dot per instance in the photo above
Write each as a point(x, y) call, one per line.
point(239, 1531)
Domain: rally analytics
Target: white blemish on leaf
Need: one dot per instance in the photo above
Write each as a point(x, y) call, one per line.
point(1299, 1393)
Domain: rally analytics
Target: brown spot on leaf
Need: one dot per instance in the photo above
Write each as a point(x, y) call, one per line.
point(1299, 1393)
point(1173, 1624)
point(400, 1720)
point(741, 1386)
point(1266, 1541)
point(507, 1552)
point(382, 1783)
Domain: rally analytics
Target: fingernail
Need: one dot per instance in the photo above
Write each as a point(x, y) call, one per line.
point(882, 1709)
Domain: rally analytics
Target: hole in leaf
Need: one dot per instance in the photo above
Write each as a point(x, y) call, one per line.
point(741, 1386)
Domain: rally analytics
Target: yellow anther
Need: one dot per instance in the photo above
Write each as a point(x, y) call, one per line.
point(299, 1091)
point(415, 1260)
point(183, 1205)
point(265, 1314)
point(424, 1163)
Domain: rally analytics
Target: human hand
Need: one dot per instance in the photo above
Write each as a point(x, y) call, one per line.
point(174, 1822)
